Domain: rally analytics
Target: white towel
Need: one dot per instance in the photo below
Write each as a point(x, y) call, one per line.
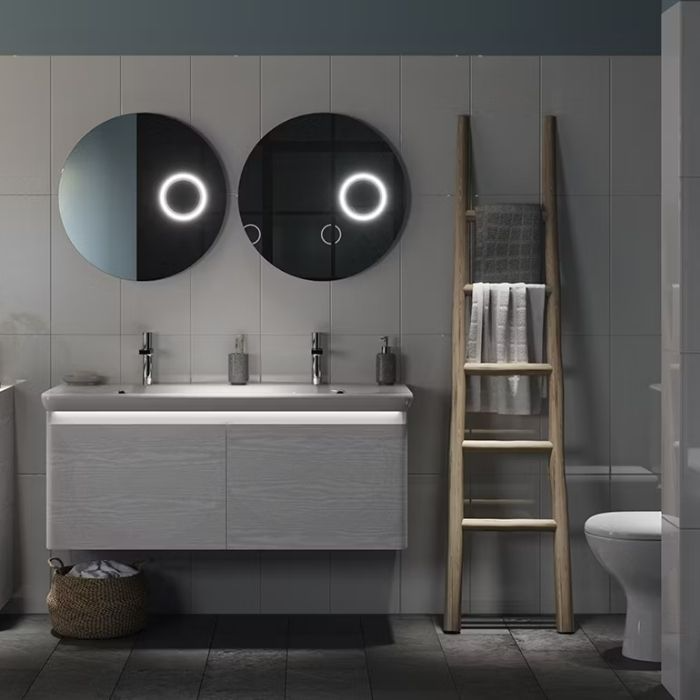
point(506, 324)
point(104, 568)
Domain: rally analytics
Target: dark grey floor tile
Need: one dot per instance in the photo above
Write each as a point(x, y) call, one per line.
point(14, 683)
point(251, 632)
point(642, 684)
point(497, 690)
point(158, 684)
point(325, 632)
point(177, 632)
point(414, 632)
point(327, 674)
point(548, 639)
point(245, 674)
point(23, 624)
point(605, 631)
point(619, 693)
point(27, 651)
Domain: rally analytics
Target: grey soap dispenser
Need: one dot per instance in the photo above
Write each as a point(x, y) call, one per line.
point(238, 363)
point(386, 364)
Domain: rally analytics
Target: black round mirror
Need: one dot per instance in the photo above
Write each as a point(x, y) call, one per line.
point(142, 196)
point(323, 196)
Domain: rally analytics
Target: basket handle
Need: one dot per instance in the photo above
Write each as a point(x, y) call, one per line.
point(138, 564)
point(51, 561)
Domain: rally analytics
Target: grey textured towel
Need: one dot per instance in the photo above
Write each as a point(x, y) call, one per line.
point(508, 243)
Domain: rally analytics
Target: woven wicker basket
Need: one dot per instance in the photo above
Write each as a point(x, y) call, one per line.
point(84, 608)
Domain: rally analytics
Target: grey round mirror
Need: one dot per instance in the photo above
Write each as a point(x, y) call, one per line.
point(142, 196)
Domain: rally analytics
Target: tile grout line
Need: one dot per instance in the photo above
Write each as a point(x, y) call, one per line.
point(121, 673)
point(364, 652)
point(527, 663)
point(612, 668)
point(215, 627)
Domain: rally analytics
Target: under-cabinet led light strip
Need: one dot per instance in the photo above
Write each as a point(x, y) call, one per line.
point(227, 418)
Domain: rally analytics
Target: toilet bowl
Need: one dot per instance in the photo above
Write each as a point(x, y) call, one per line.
point(628, 546)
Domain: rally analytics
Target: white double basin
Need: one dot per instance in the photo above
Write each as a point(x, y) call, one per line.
point(209, 466)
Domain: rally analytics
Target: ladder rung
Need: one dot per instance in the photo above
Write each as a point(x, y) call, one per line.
point(508, 445)
point(469, 288)
point(512, 524)
point(470, 215)
point(507, 368)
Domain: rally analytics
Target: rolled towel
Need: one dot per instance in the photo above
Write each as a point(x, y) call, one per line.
point(103, 568)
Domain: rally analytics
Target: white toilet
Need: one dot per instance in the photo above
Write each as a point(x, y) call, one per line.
point(628, 546)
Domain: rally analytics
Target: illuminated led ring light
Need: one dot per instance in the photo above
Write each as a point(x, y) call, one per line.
point(353, 213)
point(183, 216)
point(257, 228)
point(337, 240)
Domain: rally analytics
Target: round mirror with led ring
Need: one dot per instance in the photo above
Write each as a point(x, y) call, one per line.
point(142, 196)
point(323, 196)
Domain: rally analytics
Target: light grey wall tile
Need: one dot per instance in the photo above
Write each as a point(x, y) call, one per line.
point(671, 416)
point(365, 583)
point(635, 125)
point(226, 107)
point(85, 91)
point(353, 358)
point(92, 353)
point(576, 89)
point(158, 84)
point(689, 53)
point(635, 287)
point(226, 282)
point(426, 368)
point(294, 582)
point(25, 133)
point(505, 124)
point(83, 298)
point(171, 359)
point(588, 494)
point(690, 261)
point(169, 578)
point(160, 306)
point(293, 85)
point(210, 357)
point(368, 88)
point(287, 358)
point(423, 562)
point(584, 250)
point(31, 571)
point(225, 583)
point(25, 293)
point(434, 91)
point(293, 305)
point(26, 360)
point(370, 301)
point(426, 266)
point(634, 422)
point(587, 401)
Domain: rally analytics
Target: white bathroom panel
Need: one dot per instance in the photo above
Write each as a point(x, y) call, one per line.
point(671, 368)
point(226, 282)
point(427, 266)
point(690, 255)
point(85, 91)
point(210, 356)
point(587, 494)
point(505, 125)
point(576, 89)
point(171, 363)
point(434, 91)
point(426, 368)
point(294, 583)
point(158, 84)
point(689, 452)
point(226, 94)
point(635, 119)
point(316, 487)
point(26, 361)
point(293, 85)
point(152, 487)
point(671, 264)
point(83, 298)
point(92, 353)
point(7, 493)
point(635, 290)
point(423, 562)
point(365, 583)
point(584, 252)
point(635, 421)
point(25, 230)
point(353, 358)
point(225, 583)
point(369, 88)
point(370, 301)
point(586, 360)
point(689, 91)
point(24, 115)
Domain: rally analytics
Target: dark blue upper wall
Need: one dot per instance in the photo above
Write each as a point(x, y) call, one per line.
point(330, 26)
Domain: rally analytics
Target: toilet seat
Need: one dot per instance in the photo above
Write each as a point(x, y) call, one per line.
point(626, 525)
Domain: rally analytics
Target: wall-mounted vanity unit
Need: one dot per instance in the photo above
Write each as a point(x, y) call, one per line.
point(262, 466)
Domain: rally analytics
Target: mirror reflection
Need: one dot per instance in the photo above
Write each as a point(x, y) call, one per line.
point(323, 196)
point(142, 196)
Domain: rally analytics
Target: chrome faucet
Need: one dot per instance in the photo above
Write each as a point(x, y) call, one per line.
point(316, 357)
point(146, 353)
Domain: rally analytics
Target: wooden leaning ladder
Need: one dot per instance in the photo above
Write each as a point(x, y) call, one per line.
point(552, 369)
